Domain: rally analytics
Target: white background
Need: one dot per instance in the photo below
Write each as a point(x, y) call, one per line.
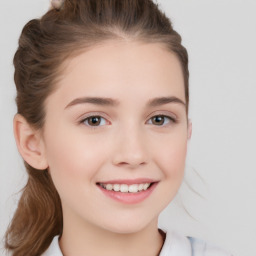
point(220, 36)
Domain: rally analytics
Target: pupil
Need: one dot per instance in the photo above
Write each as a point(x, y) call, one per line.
point(94, 120)
point(159, 119)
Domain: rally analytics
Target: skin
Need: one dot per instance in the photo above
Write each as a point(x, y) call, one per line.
point(127, 144)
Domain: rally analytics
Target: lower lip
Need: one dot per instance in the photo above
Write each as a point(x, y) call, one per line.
point(129, 198)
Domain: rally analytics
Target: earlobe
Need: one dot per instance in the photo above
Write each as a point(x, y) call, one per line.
point(189, 129)
point(28, 141)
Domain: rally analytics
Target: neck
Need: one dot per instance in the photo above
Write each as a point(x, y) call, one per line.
point(87, 239)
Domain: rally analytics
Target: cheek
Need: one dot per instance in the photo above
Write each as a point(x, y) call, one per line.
point(170, 156)
point(73, 158)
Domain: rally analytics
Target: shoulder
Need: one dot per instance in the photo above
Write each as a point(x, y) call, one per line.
point(200, 247)
point(177, 245)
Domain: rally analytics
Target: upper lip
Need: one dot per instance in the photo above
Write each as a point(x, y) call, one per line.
point(128, 181)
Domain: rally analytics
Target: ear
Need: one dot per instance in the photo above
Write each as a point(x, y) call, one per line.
point(189, 129)
point(29, 143)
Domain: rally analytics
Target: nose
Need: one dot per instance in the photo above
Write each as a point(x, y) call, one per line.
point(131, 149)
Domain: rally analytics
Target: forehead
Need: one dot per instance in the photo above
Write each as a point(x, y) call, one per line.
point(122, 68)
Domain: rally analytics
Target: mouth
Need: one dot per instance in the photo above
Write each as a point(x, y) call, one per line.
point(125, 188)
point(129, 191)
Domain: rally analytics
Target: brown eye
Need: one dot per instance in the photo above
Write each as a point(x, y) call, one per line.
point(94, 121)
point(158, 120)
point(161, 120)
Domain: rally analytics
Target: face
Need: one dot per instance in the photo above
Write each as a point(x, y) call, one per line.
point(118, 117)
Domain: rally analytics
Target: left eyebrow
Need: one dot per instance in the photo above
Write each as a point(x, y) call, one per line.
point(164, 100)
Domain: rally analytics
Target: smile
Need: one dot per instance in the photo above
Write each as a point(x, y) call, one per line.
point(128, 192)
point(124, 188)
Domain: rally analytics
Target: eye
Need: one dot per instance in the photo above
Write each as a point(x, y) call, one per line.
point(161, 120)
point(94, 121)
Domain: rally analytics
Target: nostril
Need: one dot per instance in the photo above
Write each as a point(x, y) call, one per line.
point(131, 164)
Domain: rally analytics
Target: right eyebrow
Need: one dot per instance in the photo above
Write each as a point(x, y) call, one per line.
point(94, 100)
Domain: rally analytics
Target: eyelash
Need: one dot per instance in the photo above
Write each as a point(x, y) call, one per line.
point(170, 118)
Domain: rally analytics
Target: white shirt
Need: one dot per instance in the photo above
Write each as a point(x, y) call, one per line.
point(174, 245)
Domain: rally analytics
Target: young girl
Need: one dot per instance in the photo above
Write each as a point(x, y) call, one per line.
point(102, 126)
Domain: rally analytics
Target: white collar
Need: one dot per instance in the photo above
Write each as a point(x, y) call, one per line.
point(174, 244)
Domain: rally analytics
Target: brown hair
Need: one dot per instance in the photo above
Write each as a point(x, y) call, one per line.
point(43, 46)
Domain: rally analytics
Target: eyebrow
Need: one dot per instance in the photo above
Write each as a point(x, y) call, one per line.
point(94, 100)
point(164, 100)
point(113, 102)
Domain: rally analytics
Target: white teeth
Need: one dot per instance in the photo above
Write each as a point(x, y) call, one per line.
point(109, 186)
point(124, 188)
point(145, 186)
point(141, 187)
point(116, 187)
point(133, 188)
